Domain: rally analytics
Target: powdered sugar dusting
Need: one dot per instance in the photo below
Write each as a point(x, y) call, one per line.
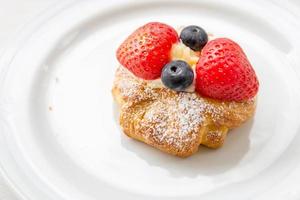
point(172, 120)
point(215, 136)
point(128, 85)
point(178, 123)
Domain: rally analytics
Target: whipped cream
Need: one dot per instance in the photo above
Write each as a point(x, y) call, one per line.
point(157, 83)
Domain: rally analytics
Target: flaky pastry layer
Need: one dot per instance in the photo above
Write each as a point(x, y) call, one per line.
point(175, 122)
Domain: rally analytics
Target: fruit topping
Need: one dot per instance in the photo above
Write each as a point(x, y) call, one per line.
point(147, 50)
point(224, 72)
point(177, 75)
point(194, 37)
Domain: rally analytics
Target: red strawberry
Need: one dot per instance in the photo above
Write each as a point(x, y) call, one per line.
point(146, 51)
point(224, 72)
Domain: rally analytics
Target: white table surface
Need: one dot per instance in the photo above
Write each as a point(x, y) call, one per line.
point(13, 15)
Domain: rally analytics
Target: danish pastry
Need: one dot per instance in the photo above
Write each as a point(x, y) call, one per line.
point(178, 92)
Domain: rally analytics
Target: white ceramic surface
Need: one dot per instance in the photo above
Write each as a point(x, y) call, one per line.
point(59, 136)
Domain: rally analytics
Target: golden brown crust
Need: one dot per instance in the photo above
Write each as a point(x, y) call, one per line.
point(174, 122)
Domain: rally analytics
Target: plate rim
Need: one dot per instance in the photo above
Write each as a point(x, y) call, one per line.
point(7, 55)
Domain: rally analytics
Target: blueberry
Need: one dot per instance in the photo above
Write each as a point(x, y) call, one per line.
point(194, 37)
point(177, 75)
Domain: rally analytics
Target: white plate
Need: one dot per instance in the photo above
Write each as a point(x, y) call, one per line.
point(59, 136)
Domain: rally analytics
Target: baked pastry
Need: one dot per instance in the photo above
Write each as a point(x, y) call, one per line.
point(163, 104)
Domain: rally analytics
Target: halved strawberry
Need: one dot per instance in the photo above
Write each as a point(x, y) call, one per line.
point(146, 51)
point(224, 72)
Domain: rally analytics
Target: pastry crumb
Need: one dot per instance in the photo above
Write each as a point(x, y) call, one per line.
point(56, 80)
